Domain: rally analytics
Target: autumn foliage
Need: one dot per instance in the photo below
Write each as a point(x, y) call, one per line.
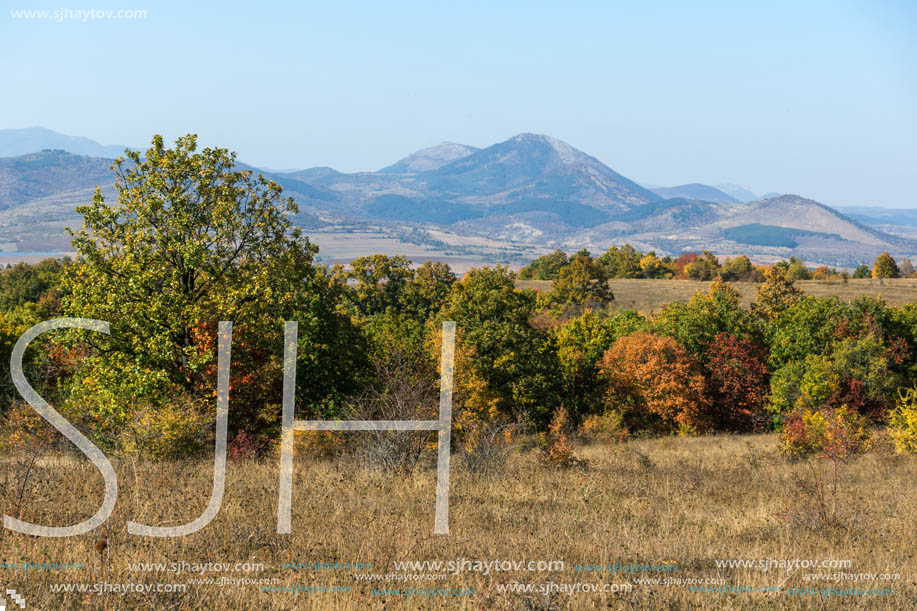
point(738, 382)
point(656, 384)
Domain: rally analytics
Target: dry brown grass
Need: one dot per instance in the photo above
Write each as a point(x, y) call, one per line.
point(688, 501)
point(650, 295)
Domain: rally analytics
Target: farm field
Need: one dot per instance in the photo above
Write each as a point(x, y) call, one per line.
point(679, 501)
point(648, 295)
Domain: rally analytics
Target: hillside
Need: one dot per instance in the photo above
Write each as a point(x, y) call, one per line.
point(15, 142)
point(695, 190)
point(526, 194)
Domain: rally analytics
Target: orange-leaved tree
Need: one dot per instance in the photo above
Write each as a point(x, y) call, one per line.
point(656, 385)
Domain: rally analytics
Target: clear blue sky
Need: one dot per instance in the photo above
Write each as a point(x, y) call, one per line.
point(819, 100)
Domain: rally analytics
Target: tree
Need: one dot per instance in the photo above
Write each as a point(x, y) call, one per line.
point(739, 268)
point(191, 241)
point(23, 283)
point(517, 362)
point(379, 282)
point(581, 342)
point(582, 282)
point(906, 268)
point(738, 382)
point(678, 267)
point(854, 373)
point(695, 324)
point(426, 293)
point(797, 270)
point(623, 262)
point(777, 293)
point(885, 267)
point(707, 267)
point(654, 267)
point(545, 267)
point(655, 384)
point(862, 271)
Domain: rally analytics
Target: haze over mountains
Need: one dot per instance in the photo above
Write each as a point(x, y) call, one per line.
point(530, 190)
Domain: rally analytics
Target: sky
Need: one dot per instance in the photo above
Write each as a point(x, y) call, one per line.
point(813, 98)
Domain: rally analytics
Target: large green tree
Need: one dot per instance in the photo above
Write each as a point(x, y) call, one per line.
point(190, 241)
point(517, 362)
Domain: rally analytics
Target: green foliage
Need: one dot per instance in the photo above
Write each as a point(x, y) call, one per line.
point(854, 373)
point(862, 271)
point(379, 282)
point(695, 324)
point(738, 269)
point(191, 241)
point(797, 270)
point(517, 362)
point(583, 282)
point(581, 342)
point(623, 262)
point(23, 283)
point(545, 267)
point(706, 267)
point(807, 326)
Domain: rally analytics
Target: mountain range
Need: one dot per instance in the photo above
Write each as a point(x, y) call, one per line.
point(531, 190)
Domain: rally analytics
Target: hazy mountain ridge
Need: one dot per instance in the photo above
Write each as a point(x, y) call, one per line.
point(696, 190)
point(16, 142)
point(530, 189)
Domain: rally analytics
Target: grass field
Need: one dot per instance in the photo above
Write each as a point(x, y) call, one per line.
point(650, 295)
point(676, 501)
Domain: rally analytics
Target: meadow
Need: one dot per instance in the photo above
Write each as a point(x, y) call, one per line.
point(679, 501)
point(646, 295)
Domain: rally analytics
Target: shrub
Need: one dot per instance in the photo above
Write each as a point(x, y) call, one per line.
point(604, 427)
point(902, 420)
point(556, 450)
point(830, 433)
point(174, 430)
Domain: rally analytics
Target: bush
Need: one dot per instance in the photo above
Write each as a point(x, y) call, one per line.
point(830, 433)
point(556, 450)
point(175, 430)
point(902, 420)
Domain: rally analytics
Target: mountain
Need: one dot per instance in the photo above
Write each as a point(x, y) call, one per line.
point(738, 192)
point(697, 191)
point(15, 142)
point(36, 175)
point(428, 159)
point(528, 193)
point(873, 215)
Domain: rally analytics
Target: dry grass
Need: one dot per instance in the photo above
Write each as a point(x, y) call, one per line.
point(676, 500)
point(649, 295)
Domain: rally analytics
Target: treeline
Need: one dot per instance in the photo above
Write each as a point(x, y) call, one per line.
point(191, 241)
point(627, 262)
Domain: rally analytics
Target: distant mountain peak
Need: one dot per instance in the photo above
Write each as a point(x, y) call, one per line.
point(431, 158)
point(566, 153)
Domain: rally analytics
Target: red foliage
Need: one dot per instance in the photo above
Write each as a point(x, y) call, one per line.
point(738, 382)
point(682, 261)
